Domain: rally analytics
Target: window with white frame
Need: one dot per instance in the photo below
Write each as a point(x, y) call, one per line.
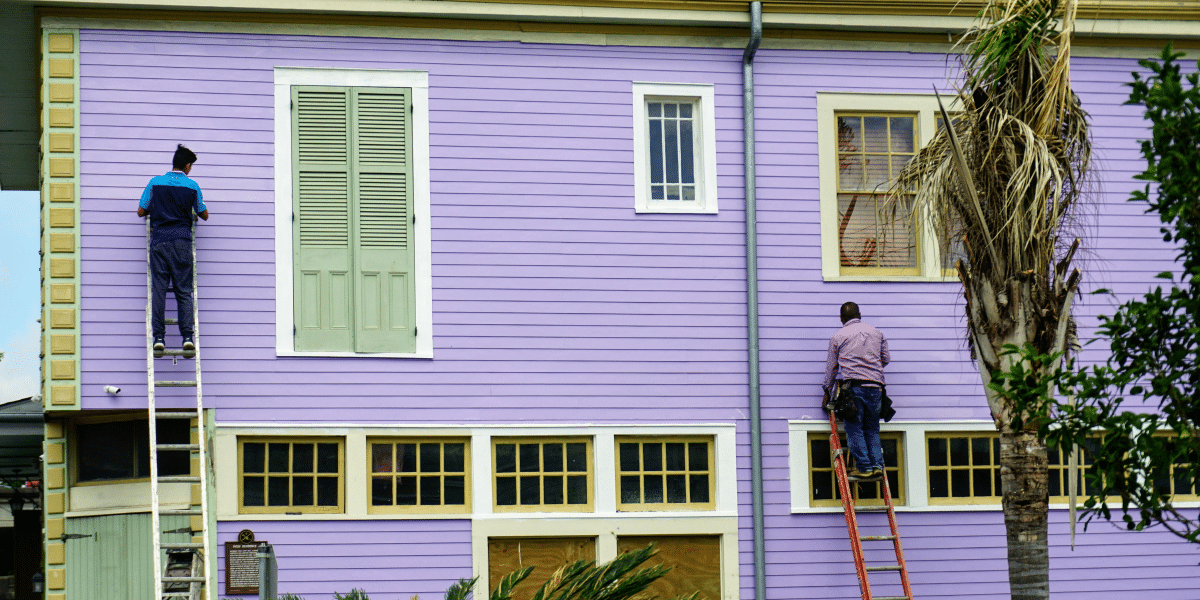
point(864, 140)
point(674, 152)
point(351, 213)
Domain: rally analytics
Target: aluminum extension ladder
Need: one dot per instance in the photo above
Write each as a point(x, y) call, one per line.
point(856, 539)
point(185, 575)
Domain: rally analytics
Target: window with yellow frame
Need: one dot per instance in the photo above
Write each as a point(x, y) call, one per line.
point(419, 475)
point(824, 483)
point(291, 475)
point(875, 237)
point(665, 473)
point(542, 474)
point(1059, 470)
point(963, 468)
point(1176, 483)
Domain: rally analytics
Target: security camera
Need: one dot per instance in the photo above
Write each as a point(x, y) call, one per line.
point(112, 389)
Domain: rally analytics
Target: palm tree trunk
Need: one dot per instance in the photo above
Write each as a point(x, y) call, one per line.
point(1024, 480)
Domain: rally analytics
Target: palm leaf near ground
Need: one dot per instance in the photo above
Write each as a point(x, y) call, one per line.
point(1008, 177)
point(619, 579)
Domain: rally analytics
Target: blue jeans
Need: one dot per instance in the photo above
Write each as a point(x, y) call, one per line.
point(862, 434)
point(171, 266)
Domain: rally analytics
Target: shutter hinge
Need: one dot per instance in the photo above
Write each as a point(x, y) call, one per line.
point(293, 331)
point(291, 104)
point(414, 330)
point(293, 217)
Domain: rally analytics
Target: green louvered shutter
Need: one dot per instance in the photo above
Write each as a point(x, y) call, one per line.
point(384, 255)
point(321, 227)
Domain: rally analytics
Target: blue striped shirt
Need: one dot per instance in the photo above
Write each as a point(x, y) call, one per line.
point(170, 200)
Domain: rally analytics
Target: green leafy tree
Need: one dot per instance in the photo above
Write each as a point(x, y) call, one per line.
point(1145, 456)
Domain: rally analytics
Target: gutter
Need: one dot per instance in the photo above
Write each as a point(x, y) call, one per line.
point(756, 472)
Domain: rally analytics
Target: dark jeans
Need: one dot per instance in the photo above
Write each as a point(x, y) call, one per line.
point(171, 266)
point(863, 433)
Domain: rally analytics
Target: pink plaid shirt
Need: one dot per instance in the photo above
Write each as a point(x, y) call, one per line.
point(856, 351)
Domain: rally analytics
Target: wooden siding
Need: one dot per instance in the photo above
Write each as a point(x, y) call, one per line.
point(390, 560)
point(114, 561)
point(553, 301)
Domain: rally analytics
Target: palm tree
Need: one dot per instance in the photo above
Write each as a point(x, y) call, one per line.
point(1007, 177)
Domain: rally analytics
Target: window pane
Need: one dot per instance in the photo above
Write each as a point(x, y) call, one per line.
point(669, 110)
point(1055, 483)
point(277, 491)
point(960, 483)
point(252, 491)
point(699, 488)
point(958, 452)
point(655, 109)
point(455, 458)
point(875, 138)
point(431, 490)
point(983, 482)
point(698, 456)
point(381, 458)
point(456, 490)
point(686, 156)
point(903, 139)
point(937, 452)
point(685, 111)
point(327, 490)
point(327, 458)
point(875, 174)
point(552, 458)
point(656, 152)
point(381, 491)
point(859, 237)
point(277, 458)
point(553, 489)
point(891, 454)
point(506, 458)
point(671, 151)
point(980, 448)
point(651, 457)
point(938, 486)
point(675, 457)
point(850, 173)
point(676, 488)
point(577, 489)
point(658, 192)
point(506, 491)
point(406, 458)
point(302, 458)
point(654, 488)
point(849, 134)
point(530, 490)
point(822, 482)
point(253, 457)
point(577, 457)
point(629, 457)
point(631, 489)
point(529, 457)
point(302, 491)
point(431, 457)
point(819, 453)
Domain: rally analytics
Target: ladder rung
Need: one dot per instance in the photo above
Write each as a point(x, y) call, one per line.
point(877, 538)
point(181, 545)
point(885, 568)
point(180, 511)
point(174, 384)
point(183, 353)
point(170, 321)
point(870, 509)
point(183, 580)
point(192, 447)
point(891, 598)
point(175, 415)
point(178, 479)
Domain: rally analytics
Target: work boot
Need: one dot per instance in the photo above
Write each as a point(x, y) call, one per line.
point(159, 345)
point(856, 474)
point(188, 345)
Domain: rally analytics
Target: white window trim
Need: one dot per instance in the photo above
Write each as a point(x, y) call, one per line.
point(356, 476)
point(285, 78)
point(828, 103)
point(916, 467)
point(706, 132)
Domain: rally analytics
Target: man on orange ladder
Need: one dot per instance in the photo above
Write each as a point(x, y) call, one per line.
point(170, 200)
point(858, 353)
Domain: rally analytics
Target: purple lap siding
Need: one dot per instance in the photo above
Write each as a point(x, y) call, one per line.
point(553, 301)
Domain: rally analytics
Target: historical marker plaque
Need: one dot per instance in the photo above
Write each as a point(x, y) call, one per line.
point(241, 564)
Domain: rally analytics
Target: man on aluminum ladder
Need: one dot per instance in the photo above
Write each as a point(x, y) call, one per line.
point(170, 200)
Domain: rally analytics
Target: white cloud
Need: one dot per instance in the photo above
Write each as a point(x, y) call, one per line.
point(19, 375)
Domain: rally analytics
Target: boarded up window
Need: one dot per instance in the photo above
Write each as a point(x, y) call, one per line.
point(545, 555)
point(695, 562)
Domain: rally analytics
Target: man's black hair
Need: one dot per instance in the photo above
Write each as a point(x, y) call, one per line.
point(850, 311)
point(183, 157)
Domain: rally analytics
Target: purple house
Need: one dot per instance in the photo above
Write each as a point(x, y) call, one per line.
point(474, 292)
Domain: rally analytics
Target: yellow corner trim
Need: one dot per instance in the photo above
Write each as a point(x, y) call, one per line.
point(62, 267)
point(56, 554)
point(62, 192)
point(62, 242)
point(62, 369)
point(62, 167)
point(56, 579)
point(55, 477)
point(62, 217)
point(60, 42)
point(62, 293)
point(56, 503)
point(62, 394)
point(62, 92)
point(62, 142)
point(54, 453)
point(54, 527)
point(62, 67)
point(54, 430)
point(196, 498)
point(62, 318)
point(62, 343)
point(62, 117)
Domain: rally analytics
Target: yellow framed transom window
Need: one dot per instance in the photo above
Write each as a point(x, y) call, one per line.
point(964, 468)
point(665, 473)
point(824, 490)
point(873, 237)
point(291, 475)
point(542, 474)
point(419, 475)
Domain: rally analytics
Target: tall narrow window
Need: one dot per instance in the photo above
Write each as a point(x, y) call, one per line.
point(674, 156)
point(353, 196)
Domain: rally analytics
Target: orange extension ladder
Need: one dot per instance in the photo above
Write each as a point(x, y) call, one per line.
point(856, 540)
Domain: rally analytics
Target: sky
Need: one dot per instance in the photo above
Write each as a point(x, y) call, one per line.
point(20, 333)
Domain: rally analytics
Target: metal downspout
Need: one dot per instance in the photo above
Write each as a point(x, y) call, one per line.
point(756, 474)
